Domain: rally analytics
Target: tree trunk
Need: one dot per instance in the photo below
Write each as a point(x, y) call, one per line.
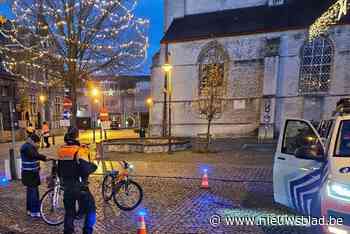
point(208, 135)
point(74, 101)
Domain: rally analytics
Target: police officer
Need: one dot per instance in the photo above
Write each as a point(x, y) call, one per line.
point(30, 173)
point(74, 170)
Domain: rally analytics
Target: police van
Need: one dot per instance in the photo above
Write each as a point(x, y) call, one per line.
point(311, 173)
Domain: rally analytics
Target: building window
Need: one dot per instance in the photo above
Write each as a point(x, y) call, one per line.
point(4, 91)
point(276, 2)
point(316, 64)
point(58, 107)
point(32, 104)
point(213, 66)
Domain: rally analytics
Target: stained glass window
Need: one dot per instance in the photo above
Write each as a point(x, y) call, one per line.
point(316, 66)
point(212, 65)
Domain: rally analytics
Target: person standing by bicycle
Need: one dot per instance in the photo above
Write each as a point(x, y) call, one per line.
point(30, 173)
point(74, 170)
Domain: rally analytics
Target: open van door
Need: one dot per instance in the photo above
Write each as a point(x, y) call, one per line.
point(299, 167)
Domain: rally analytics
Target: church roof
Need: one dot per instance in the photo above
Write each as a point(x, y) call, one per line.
point(251, 20)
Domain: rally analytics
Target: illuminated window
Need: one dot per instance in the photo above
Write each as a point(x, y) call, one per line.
point(213, 64)
point(33, 104)
point(276, 2)
point(316, 66)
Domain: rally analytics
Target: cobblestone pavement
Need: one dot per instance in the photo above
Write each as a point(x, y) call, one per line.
point(172, 206)
point(172, 197)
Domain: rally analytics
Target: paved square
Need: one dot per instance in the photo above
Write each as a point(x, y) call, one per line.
point(172, 205)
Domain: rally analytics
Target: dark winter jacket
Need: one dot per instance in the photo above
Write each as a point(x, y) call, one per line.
point(75, 172)
point(30, 164)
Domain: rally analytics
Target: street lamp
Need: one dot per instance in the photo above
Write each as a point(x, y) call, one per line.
point(167, 69)
point(94, 94)
point(149, 103)
point(42, 98)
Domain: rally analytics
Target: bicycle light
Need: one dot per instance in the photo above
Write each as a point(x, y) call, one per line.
point(131, 167)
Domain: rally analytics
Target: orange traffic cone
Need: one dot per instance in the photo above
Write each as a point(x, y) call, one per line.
point(141, 224)
point(205, 180)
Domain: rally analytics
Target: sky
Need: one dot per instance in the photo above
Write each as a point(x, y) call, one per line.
point(150, 9)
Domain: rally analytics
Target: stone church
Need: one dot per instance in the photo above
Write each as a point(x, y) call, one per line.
point(272, 69)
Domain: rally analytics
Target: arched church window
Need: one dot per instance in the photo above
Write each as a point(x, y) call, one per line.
point(213, 65)
point(316, 66)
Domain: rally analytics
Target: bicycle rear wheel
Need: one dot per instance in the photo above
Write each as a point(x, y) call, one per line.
point(128, 195)
point(52, 207)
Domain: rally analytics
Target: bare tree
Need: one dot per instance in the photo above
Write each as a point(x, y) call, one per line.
point(211, 100)
point(73, 39)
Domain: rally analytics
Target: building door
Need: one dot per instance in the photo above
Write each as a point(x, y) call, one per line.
point(1, 123)
point(38, 126)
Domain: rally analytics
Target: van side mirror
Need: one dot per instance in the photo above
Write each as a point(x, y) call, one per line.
point(311, 152)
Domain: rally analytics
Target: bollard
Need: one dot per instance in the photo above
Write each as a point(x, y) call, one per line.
point(13, 164)
point(104, 169)
point(19, 168)
point(7, 169)
point(53, 139)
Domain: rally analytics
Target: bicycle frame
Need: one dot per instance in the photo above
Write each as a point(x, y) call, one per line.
point(56, 185)
point(57, 188)
point(117, 178)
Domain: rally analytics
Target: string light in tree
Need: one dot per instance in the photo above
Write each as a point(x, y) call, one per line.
point(75, 39)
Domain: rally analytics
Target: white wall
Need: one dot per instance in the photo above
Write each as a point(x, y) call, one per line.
point(202, 6)
point(247, 55)
point(179, 8)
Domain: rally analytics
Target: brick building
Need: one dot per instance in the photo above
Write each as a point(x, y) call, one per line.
point(24, 89)
point(273, 71)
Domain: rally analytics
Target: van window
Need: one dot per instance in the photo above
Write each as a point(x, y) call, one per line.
point(343, 140)
point(298, 134)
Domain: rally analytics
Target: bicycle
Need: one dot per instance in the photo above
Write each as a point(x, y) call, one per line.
point(121, 188)
point(51, 204)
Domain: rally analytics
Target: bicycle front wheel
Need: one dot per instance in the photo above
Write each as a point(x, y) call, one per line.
point(52, 207)
point(128, 195)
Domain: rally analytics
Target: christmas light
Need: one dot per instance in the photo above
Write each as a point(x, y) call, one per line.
point(332, 16)
point(86, 36)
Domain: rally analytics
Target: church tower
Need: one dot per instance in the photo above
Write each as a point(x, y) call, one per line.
point(173, 9)
point(179, 8)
